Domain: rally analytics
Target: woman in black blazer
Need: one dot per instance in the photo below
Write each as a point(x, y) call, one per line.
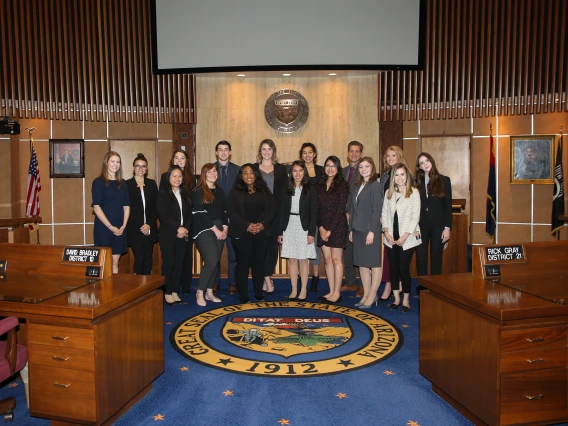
point(174, 211)
point(142, 231)
point(435, 214)
point(275, 177)
point(309, 155)
point(298, 227)
point(250, 207)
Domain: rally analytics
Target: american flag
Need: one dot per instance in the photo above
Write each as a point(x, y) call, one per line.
point(34, 188)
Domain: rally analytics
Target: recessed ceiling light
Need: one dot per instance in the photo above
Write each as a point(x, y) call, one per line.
point(286, 75)
point(241, 75)
point(332, 73)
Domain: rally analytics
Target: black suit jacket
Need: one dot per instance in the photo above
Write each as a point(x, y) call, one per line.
point(232, 172)
point(170, 215)
point(136, 218)
point(308, 211)
point(436, 210)
point(280, 182)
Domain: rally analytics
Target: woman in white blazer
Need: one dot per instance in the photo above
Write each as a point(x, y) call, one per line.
point(401, 213)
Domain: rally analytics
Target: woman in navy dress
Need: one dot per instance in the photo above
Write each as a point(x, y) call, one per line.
point(332, 224)
point(111, 205)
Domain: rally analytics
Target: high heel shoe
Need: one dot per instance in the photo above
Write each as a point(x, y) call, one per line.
point(394, 306)
point(405, 309)
point(314, 284)
point(359, 303)
point(381, 300)
point(339, 299)
point(211, 296)
point(269, 293)
point(199, 298)
point(291, 298)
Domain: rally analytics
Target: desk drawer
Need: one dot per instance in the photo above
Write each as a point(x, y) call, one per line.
point(532, 338)
point(56, 392)
point(534, 396)
point(77, 359)
point(67, 337)
point(537, 359)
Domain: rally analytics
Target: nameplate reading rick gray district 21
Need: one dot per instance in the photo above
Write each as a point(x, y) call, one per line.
point(81, 254)
point(505, 254)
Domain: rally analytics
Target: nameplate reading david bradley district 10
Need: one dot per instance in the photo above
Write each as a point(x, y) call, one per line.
point(81, 254)
point(505, 254)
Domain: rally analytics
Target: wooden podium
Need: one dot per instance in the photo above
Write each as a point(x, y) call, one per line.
point(494, 343)
point(12, 230)
point(95, 340)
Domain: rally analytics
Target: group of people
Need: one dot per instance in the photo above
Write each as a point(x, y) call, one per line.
point(339, 213)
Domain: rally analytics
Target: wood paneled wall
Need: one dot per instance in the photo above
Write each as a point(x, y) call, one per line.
point(86, 60)
point(484, 58)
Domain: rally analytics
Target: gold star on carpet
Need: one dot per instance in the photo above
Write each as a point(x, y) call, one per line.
point(341, 395)
point(404, 325)
point(411, 423)
point(284, 422)
point(158, 417)
point(228, 393)
point(169, 323)
point(184, 369)
point(13, 385)
point(388, 372)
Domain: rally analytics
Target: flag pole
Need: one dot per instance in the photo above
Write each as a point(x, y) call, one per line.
point(30, 130)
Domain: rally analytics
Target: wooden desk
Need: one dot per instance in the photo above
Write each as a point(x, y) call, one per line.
point(94, 348)
point(497, 354)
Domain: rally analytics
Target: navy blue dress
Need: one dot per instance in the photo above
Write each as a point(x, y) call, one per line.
point(111, 200)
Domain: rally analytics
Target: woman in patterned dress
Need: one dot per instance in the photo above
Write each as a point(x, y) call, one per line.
point(298, 227)
point(332, 224)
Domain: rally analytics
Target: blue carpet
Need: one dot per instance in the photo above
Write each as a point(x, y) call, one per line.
point(390, 392)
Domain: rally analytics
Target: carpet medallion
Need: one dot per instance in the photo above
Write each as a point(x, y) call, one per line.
point(286, 339)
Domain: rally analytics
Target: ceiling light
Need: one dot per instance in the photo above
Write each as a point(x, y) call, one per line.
point(286, 75)
point(332, 73)
point(241, 75)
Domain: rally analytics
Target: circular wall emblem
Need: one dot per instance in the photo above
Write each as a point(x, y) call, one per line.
point(286, 110)
point(286, 339)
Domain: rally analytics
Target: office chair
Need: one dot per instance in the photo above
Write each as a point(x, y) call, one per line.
point(13, 358)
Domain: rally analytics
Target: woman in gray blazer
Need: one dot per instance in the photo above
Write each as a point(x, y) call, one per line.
point(365, 205)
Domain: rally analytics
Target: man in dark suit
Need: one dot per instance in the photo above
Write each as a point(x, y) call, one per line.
point(227, 172)
point(350, 174)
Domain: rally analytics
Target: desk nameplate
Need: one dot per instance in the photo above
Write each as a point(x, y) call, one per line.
point(504, 254)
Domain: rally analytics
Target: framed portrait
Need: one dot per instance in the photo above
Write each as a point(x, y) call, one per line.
point(531, 159)
point(67, 158)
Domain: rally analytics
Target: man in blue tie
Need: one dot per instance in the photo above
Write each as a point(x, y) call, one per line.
point(227, 172)
point(350, 174)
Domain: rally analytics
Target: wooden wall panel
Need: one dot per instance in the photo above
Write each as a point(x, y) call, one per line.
point(484, 58)
point(86, 60)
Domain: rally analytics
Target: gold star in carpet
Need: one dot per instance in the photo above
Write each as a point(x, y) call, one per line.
point(411, 423)
point(404, 325)
point(388, 372)
point(158, 417)
point(228, 393)
point(13, 385)
point(284, 422)
point(169, 323)
point(341, 395)
point(184, 369)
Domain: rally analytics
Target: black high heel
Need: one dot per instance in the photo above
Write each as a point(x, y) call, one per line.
point(314, 284)
point(381, 300)
point(394, 306)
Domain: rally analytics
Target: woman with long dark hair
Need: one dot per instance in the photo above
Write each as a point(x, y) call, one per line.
point(365, 207)
point(435, 214)
point(209, 229)
point(274, 175)
point(174, 212)
point(401, 213)
point(333, 192)
point(298, 227)
point(309, 155)
point(181, 159)
point(111, 205)
point(142, 229)
point(250, 207)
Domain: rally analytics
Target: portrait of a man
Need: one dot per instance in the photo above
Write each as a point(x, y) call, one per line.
point(531, 159)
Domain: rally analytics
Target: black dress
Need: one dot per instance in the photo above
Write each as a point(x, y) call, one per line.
point(331, 214)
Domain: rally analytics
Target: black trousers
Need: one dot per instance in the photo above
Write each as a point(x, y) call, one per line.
point(349, 270)
point(210, 249)
point(271, 258)
point(431, 236)
point(143, 258)
point(251, 254)
point(187, 272)
point(173, 262)
point(400, 267)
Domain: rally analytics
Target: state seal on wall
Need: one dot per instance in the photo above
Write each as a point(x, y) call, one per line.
point(286, 110)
